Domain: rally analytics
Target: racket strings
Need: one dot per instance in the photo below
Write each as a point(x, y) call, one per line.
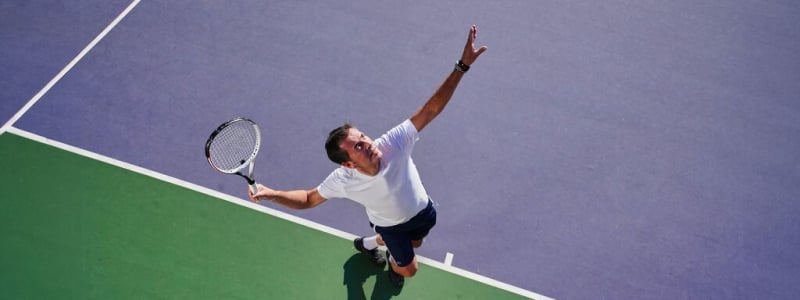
point(234, 146)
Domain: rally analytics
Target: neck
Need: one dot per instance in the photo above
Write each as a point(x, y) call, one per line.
point(371, 170)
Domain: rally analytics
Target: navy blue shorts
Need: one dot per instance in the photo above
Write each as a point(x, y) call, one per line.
point(398, 237)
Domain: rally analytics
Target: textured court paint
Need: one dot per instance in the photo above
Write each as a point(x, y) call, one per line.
point(69, 66)
point(39, 38)
point(101, 232)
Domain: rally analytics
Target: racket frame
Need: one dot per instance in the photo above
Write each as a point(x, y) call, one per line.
point(249, 163)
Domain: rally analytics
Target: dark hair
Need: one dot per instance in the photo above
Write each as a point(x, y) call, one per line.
point(335, 153)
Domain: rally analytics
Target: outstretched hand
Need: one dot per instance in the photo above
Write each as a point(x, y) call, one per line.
point(470, 53)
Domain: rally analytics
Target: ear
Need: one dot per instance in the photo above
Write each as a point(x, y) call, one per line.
point(349, 164)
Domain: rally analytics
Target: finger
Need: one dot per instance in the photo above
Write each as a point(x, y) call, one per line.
point(481, 50)
point(253, 196)
point(471, 35)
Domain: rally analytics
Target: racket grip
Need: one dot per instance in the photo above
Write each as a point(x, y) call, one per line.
point(253, 187)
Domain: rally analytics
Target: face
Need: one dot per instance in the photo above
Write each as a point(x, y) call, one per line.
point(363, 155)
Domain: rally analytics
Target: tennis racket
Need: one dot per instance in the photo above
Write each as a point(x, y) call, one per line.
point(233, 147)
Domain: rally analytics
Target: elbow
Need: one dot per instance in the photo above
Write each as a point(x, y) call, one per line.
point(301, 205)
point(429, 114)
point(433, 111)
point(310, 201)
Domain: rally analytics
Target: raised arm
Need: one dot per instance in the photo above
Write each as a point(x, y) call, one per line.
point(439, 100)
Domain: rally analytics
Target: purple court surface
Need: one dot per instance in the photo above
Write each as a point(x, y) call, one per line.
point(598, 150)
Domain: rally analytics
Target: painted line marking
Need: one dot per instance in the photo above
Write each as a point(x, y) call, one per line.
point(273, 212)
point(448, 259)
point(67, 68)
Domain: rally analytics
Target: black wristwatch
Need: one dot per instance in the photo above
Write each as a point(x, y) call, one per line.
point(461, 66)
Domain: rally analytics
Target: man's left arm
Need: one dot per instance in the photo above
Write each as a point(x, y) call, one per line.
point(439, 100)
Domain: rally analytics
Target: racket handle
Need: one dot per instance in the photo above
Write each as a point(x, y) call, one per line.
point(253, 187)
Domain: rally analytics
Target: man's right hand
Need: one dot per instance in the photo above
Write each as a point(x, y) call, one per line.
point(263, 193)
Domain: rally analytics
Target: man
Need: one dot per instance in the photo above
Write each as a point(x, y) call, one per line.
point(381, 175)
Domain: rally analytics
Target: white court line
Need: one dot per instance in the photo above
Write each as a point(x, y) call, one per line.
point(66, 69)
point(448, 259)
point(276, 213)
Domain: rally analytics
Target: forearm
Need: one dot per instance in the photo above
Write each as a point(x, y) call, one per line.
point(296, 199)
point(442, 96)
point(437, 102)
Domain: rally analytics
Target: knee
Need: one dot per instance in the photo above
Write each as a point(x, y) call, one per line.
point(412, 271)
point(407, 271)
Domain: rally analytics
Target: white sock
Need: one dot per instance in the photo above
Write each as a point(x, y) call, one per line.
point(371, 242)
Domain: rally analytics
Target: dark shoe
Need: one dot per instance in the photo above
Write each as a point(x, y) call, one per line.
point(396, 279)
point(374, 255)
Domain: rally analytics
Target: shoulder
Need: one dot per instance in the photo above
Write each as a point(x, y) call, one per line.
point(403, 134)
point(407, 128)
point(334, 185)
point(339, 176)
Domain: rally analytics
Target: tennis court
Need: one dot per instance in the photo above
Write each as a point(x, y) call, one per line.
point(614, 150)
point(108, 232)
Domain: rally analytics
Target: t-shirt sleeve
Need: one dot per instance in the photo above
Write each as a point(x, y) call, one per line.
point(332, 186)
point(403, 136)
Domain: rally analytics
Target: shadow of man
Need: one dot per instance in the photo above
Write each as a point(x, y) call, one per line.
point(356, 271)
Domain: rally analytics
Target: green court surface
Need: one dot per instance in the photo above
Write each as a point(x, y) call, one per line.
point(72, 227)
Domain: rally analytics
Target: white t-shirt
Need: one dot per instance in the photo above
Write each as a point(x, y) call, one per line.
point(395, 194)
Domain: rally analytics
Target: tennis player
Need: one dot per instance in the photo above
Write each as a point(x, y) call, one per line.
point(380, 175)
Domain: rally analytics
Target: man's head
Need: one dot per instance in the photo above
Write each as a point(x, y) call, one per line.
point(349, 147)
point(337, 135)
